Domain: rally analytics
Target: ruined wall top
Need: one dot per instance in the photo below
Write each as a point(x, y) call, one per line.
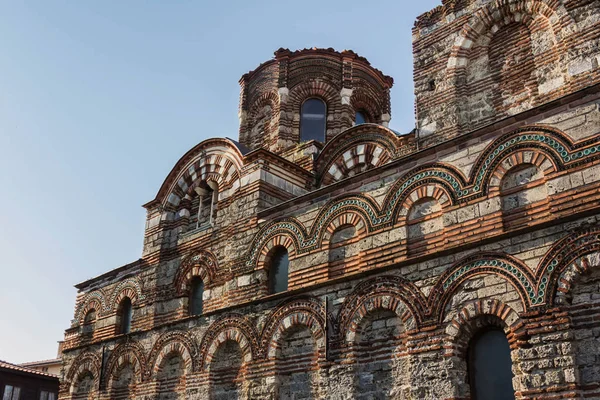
point(480, 61)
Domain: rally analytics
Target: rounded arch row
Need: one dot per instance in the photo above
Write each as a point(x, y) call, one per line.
point(104, 304)
point(530, 144)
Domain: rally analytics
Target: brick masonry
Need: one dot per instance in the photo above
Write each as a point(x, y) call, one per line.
point(402, 248)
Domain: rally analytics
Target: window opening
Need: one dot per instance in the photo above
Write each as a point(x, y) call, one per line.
point(278, 271)
point(313, 120)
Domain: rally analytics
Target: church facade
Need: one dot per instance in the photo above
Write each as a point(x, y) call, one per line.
point(325, 256)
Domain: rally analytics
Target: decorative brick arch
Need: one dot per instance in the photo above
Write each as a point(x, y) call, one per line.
point(486, 313)
point(428, 191)
point(347, 219)
point(497, 14)
point(307, 312)
point(126, 353)
point(376, 143)
point(279, 240)
point(518, 158)
point(95, 300)
point(173, 342)
point(200, 263)
point(230, 327)
point(443, 176)
point(507, 267)
point(568, 259)
point(85, 362)
point(369, 101)
point(218, 160)
point(270, 98)
point(304, 91)
point(392, 293)
point(131, 288)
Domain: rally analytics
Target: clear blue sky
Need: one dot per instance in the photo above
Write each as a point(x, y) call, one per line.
point(99, 99)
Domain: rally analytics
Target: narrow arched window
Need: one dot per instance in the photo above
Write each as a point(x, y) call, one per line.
point(196, 296)
point(490, 367)
point(313, 120)
point(278, 270)
point(360, 118)
point(125, 314)
point(89, 322)
point(204, 203)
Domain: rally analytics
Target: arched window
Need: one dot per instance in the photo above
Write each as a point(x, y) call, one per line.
point(89, 322)
point(203, 210)
point(313, 120)
point(278, 270)
point(196, 296)
point(124, 315)
point(360, 117)
point(490, 372)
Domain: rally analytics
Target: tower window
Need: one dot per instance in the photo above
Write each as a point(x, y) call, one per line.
point(360, 118)
point(278, 270)
point(196, 296)
point(490, 366)
point(204, 205)
point(313, 120)
point(125, 314)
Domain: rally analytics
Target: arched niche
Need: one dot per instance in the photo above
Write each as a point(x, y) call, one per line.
point(225, 371)
point(523, 194)
point(171, 377)
point(296, 364)
point(379, 372)
point(424, 225)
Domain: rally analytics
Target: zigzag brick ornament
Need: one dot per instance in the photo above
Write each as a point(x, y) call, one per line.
point(324, 255)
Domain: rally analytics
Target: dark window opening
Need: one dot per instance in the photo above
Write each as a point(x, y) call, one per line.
point(196, 296)
point(11, 392)
point(278, 271)
point(204, 205)
point(431, 85)
point(360, 118)
point(313, 121)
point(490, 367)
point(125, 314)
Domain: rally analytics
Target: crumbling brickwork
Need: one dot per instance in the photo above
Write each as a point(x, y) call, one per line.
point(400, 250)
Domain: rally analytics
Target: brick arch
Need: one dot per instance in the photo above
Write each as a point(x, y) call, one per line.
point(230, 327)
point(172, 342)
point(562, 265)
point(375, 136)
point(369, 102)
point(513, 271)
point(573, 273)
point(91, 300)
point(500, 13)
point(218, 160)
point(480, 314)
point(444, 176)
point(131, 288)
point(126, 353)
point(91, 304)
point(309, 89)
point(200, 263)
point(269, 98)
point(384, 292)
point(306, 312)
point(347, 219)
point(279, 240)
point(553, 144)
point(521, 157)
point(85, 362)
point(427, 191)
point(288, 228)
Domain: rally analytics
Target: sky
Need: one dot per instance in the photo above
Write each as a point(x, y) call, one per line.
point(98, 101)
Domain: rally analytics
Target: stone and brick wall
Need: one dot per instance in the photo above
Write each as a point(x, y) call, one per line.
point(400, 253)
